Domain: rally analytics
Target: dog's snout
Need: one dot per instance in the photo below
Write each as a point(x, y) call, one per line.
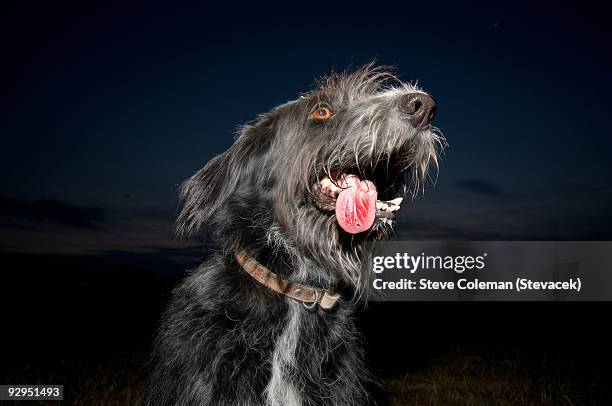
point(419, 107)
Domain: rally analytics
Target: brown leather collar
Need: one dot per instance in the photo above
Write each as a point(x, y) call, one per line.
point(308, 295)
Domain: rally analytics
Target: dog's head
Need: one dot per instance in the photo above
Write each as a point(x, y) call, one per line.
point(319, 176)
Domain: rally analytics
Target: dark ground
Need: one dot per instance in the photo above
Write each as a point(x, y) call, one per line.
point(91, 331)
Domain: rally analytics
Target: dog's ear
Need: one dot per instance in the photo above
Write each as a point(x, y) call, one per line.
point(203, 194)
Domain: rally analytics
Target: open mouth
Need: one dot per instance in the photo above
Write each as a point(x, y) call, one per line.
point(358, 203)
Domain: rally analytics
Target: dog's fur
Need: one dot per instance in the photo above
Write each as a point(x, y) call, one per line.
point(225, 339)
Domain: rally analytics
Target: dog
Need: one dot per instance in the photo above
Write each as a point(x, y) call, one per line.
point(293, 204)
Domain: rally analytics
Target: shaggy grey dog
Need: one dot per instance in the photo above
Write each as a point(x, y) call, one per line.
point(303, 190)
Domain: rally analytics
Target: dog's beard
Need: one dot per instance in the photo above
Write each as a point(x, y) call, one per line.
point(363, 191)
point(372, 190)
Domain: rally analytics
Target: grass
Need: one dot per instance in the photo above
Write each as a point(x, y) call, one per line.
point(119, 381)
point(457, 379)
point(472, 380)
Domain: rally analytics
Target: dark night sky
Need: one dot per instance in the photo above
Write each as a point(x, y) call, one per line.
point(108, 110)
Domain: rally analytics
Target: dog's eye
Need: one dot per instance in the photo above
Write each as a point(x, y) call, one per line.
point(321, 113)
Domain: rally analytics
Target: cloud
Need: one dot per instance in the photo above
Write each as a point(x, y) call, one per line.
point(479, 186)
point(51, 211)
point(51, 227)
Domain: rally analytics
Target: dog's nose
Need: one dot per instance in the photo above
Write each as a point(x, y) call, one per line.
point(419, 107)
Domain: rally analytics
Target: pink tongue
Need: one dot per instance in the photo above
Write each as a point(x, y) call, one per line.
point(356, 204)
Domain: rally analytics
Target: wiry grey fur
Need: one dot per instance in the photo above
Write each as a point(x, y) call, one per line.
point(227, 340)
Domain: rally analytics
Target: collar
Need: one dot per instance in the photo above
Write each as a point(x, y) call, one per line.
point(308, 295)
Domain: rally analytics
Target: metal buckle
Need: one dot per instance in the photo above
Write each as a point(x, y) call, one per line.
point(312, 305)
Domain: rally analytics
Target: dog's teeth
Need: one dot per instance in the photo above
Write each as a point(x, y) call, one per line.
point(387, 206)
point(397, 201)
point(326, 182)
point(328, 185)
